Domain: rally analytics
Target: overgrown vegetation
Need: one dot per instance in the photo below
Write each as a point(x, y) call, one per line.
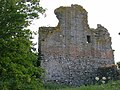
point(54, 86)
point(18, 67)
point(113, 85)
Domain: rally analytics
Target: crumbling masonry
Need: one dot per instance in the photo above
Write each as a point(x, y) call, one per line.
point(71, 52)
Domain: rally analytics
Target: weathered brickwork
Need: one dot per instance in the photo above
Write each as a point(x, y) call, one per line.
point(72, 51)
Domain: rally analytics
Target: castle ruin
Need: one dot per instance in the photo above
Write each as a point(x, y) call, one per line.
point(71, 52)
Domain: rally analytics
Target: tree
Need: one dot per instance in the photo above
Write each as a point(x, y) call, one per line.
point(18, 68)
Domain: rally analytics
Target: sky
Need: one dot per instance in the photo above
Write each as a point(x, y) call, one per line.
point(104, 12)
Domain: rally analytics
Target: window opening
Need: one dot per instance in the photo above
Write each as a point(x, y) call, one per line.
point(88, 39)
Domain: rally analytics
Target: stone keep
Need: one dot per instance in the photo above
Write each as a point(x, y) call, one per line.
point(71, 52)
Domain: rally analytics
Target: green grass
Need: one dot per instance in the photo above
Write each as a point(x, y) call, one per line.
point(115, 85)
point(54, 86)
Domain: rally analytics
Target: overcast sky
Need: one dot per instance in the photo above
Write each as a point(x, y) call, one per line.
point(104, 12)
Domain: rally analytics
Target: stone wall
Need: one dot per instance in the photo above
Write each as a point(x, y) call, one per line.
point(72, 51)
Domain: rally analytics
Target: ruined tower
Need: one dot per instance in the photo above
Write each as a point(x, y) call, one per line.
point(71, 52)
